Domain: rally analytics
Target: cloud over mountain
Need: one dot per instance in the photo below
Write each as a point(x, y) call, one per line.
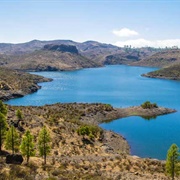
point(125, 32)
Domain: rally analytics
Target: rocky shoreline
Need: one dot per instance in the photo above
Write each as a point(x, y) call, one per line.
point(151, 75)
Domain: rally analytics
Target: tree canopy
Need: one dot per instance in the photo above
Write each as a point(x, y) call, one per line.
point(172, 162)
point(12, 140)
point(3, 129)
point(27, 145)
point(44, 143)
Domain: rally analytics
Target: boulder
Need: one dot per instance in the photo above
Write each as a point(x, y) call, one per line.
point(14, 159)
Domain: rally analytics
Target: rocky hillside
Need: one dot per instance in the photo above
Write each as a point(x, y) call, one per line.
point(50, 58)
point(160, 59)
point(103, 155)
point(16, 84)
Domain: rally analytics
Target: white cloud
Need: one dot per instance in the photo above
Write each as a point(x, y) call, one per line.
point(144, 43)
point(125, 32)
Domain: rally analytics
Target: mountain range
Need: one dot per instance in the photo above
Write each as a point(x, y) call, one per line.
point(34, 56)
point(56, 55)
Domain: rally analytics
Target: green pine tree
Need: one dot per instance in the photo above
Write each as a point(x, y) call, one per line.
point(3, 128)
point(44, 143)
point(19, 114)
point(172, 162)
point(27, 145)
point(12, 140)
point(3, 108)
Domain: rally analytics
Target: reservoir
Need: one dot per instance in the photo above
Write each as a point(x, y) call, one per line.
point(120, 86)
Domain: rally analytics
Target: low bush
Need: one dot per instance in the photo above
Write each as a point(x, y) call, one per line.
point(149, 105)
point(89, 130)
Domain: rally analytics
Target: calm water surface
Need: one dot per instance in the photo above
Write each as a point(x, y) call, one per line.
point(120, 86)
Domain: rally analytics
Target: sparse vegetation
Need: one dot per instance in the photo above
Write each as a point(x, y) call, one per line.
point(101, 154)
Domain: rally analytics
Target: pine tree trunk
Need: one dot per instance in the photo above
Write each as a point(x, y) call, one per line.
point(12, 142)
point(28, 153)
point(44, 150)
point(0, 139)
point(173, 167)
point(27, 159)
point(45, 158)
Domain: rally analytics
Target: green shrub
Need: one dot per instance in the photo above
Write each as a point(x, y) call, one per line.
point(149, 105)
point(89, 130)
point(108, 107)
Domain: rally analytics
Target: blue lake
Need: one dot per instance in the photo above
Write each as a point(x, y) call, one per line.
point(121, 86)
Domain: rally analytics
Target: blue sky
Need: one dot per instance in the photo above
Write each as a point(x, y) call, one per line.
point(120, 22)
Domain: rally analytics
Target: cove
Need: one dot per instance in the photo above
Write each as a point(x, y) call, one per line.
point(120, 86)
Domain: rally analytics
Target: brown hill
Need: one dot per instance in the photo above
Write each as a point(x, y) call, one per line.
point(17, 84)
point(160, 59)
point(50, 58)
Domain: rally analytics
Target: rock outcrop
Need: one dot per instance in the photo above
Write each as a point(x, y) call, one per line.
point(61, 48)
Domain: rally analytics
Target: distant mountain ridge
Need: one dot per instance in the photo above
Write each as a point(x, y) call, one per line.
point(91, 49)
point(57, 55)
